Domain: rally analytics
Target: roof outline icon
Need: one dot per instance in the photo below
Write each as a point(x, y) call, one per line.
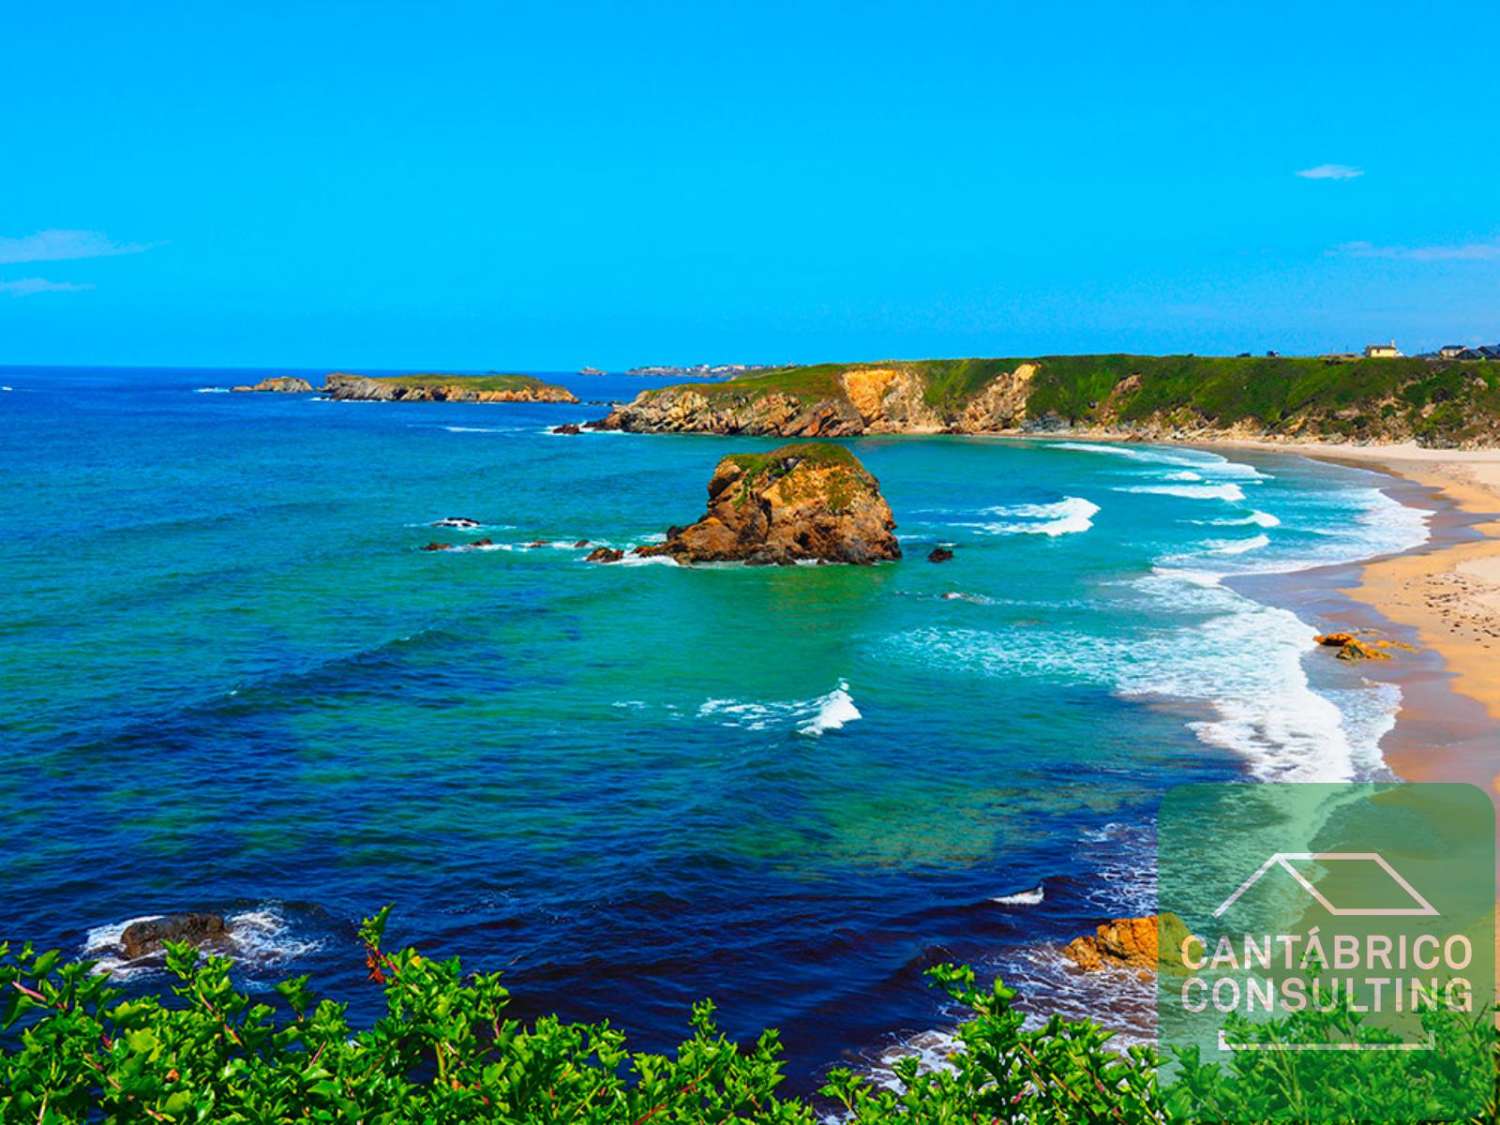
point(1423, 909)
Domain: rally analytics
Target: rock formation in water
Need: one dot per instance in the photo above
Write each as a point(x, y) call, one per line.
point(150, 935)
point(809, 502)
point(280, 384)
point(1129, 943)
point(445, 388)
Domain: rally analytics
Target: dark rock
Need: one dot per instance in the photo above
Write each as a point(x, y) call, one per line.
point(438, 547)
point(482, 543)
point(581, 543)
point(462, 522)
point(604, 555)
point(939, 555)
point(141, 939)
point(568, 428)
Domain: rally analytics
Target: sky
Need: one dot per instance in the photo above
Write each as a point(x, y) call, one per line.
point(518, 186)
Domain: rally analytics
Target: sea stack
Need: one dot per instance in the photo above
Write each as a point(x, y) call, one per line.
point(811, 502)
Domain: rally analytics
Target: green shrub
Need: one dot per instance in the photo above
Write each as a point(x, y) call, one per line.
point(75, 1048)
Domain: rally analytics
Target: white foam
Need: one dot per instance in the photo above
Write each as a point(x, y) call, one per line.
point(1199, 461)
point(811, 717)
point(13, 388)
point(1256, 518)
point(1237, 546)
point(483, 429)
point(1068, 516)
point(1023, 898)
point(196, 390)
point(835, 709)
point(1229, 491)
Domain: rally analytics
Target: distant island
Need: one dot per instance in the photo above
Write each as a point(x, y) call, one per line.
point(444, 388)
point(1432, 401)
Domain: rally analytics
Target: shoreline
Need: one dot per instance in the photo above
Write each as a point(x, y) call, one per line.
point(1443, 597)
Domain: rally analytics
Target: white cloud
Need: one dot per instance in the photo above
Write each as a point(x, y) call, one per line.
point(30, 286)
point(1331, 172)
point(65, 245)
point(1460, 252)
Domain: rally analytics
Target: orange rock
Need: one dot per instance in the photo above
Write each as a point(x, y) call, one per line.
point(1128, 943)
point(1334, 640)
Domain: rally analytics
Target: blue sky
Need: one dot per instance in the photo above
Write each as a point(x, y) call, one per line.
point(541, 186)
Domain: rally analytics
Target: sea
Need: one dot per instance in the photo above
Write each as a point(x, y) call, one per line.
point(232, 680)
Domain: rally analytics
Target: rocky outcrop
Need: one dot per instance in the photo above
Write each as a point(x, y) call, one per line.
point(568, 429)
point(687, 410)
point(1129, 943)
point(859, 399)
point(445, 388)
point(939, 555)
point(801, 503)
point(150, 935)
point(279, 384)
point(604, 555)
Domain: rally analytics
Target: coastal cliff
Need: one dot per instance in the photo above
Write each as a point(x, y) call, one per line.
point(1448, 404)
point(444, 388)
point(811, 502)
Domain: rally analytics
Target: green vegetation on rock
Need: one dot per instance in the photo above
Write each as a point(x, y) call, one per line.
point(1434, 402)
point(470, 382)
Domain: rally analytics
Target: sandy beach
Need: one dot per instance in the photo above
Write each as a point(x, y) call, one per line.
point(1447, 594)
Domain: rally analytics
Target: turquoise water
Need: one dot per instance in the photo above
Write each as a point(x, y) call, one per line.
point(232, 681)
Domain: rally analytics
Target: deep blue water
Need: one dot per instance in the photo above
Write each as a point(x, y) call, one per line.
point(230, 680)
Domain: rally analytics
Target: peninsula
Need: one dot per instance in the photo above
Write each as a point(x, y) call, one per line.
point(444, 388)
point(1433, 402)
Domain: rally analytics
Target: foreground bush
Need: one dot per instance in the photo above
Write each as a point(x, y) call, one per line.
point(74, 1048)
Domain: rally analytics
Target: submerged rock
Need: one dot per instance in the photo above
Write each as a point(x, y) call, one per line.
point(141, 939)
point(462, 522)
point(801, 503)
point(581, 543)
point(438, 547)
point(1129, 943)
point(939, 555)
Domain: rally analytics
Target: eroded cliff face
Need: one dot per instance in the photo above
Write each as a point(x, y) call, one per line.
point(801, 503)
point(890, 400)
point(868, 400)
point(1001, 405)
point(440, 389)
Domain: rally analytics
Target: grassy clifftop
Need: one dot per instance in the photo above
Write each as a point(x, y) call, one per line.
point(1434, 402)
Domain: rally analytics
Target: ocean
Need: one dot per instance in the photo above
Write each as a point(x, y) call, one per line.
point(230, 680)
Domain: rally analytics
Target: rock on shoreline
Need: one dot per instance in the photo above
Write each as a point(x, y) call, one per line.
point(444, 388)
point(801, 503)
